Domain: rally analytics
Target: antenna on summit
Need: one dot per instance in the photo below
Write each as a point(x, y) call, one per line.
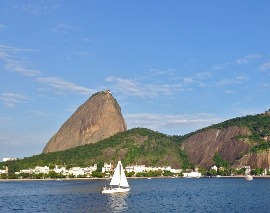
point(108, 91)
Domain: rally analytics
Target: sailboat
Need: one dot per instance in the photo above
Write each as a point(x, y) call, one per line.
point(248, 177)
point(118, 182)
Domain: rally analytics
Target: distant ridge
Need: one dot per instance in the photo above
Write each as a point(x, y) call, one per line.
point(98, 118)
point(238, 142)
point(242, 141)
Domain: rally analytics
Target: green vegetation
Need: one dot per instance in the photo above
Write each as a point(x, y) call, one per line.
point(257, 124)
point(261, 146)
point(147, 147)
point(136, 146)
point(219, 161)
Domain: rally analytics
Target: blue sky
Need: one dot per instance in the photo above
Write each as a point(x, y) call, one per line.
point(173, 66)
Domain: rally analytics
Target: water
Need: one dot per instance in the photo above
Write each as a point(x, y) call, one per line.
point(155, 195)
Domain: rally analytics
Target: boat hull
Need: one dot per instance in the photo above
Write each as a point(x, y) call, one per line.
point(115, 190)
point(248, 177)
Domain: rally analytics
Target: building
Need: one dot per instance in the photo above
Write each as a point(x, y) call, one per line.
point(9, 159)
point(214, 168)
point(76, 171)
point(136, 168)
point(192, 175)
point(61, 170)
point(4, 170)
point(176, 171)
point(107, 167)
point(41, 170)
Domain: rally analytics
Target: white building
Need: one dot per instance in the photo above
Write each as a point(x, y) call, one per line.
point(61, 170)
point(153, 169)
point(166, 168)
point(248, 170)
point(27, 171)
point(176, 171)
point(136, 168)
point(76, 171)
point(4, 171)
point(143, 168)
point(214, 168)
point(88, 170)
point(107, 167)
point(41, 170)
point(192, 175)
point(9, 159)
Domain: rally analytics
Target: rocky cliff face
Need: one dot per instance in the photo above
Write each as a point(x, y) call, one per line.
point(255, 160)
point(98, 118)
point(201, 147)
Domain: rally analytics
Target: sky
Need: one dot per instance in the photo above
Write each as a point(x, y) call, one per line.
point(173, 66)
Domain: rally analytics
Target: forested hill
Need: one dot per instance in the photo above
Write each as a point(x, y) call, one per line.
point(135, 146)
point(243, 141)
point(259, 126)
point(239, 141)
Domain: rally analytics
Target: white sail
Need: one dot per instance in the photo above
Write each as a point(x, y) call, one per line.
point(123, 179)
point(119, 180)
point(115, 181)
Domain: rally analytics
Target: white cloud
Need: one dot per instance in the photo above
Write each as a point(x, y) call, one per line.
point(265, 66)
point(87, 40)
point(38, 7)
point(13, 63)
point(134, 88)
point(10, 99)
point(264, 86)
point(39, 113)
point(63, 28)
point(170, 123)
point(236, 80)
point(230, 91)
point(246, 59)
point(63, 86)
point(19, 145)
point(158, 72)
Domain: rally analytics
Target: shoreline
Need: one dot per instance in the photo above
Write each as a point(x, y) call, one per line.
point(90, 179)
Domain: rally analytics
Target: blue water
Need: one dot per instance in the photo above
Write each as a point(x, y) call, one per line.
point(155, 195)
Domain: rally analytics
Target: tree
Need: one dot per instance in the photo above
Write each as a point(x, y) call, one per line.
point(97, 174)
point(219, 161)
point(167, 173)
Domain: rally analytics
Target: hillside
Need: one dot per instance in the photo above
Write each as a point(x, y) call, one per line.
point(239, 141)
point(135, 146)
point(243, 141)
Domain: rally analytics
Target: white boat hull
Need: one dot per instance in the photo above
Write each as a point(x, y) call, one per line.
point(115, 190)
point(248, 177)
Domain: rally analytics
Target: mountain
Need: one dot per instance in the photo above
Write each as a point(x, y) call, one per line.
point(135, 146)
point(243, 141)
point(98, 118)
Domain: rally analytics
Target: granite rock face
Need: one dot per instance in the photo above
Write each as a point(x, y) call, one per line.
point(98, 118)
point(202, 147)
point(255, 160)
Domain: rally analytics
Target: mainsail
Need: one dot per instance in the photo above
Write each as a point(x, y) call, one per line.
point(115, 181)
point(119, 177)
